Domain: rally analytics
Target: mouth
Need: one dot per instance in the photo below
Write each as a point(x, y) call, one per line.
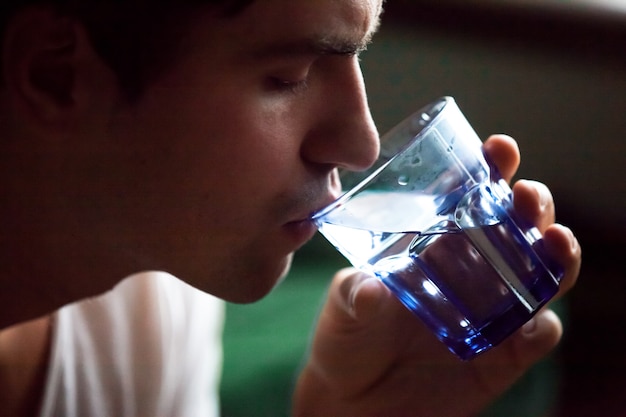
point(304, 228)
point(300, 231)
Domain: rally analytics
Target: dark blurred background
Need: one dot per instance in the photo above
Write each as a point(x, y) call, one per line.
point(553, 75)
point(550, 73)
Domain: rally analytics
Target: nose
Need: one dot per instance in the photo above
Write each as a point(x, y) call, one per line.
point(344, 135)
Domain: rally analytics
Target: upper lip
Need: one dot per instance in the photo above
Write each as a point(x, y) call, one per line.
point(314, 208)
point(320, 194)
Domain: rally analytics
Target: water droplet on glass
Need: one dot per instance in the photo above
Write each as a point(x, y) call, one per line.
point(424, 119)
point(403, 179)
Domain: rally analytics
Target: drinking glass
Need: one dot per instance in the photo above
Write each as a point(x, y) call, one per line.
point(434, 220)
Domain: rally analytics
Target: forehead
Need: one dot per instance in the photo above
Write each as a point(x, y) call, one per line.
point(283, 21)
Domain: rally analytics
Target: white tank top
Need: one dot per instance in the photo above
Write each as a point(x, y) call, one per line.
point(151, 347)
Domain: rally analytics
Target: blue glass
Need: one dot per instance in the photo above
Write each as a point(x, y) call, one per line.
point(435, 222)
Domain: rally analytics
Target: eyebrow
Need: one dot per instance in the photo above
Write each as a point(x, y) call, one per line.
point(313, 46)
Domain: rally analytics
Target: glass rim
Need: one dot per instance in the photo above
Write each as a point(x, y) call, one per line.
point(429, 114)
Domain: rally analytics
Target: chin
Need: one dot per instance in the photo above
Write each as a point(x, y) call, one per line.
point(284, 271)
point(252, 286)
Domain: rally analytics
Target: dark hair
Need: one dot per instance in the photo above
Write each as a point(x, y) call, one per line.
point(136, 38)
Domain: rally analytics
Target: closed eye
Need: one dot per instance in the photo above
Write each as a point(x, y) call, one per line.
point(283, 85)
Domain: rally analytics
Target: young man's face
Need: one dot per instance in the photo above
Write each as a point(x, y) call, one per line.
point(212, 174)
point(226, 155)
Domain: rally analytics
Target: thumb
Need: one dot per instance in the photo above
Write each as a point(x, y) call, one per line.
point(354, 341)
point(358, 295)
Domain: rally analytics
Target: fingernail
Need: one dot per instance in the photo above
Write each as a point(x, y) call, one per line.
point(359, 280)
point(349, 289)
point(543, 199)
point(572, 240)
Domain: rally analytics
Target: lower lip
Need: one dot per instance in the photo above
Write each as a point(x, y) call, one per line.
point(301, 231)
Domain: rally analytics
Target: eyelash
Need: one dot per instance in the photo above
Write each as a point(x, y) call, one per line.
point(279, 84)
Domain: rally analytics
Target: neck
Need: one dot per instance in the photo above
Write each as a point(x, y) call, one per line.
point(24, 354)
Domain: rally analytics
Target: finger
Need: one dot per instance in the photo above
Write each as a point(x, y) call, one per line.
point(503, 151)
point(358, 296)
point(498, 369)
point(534, 202)
point(563, 246)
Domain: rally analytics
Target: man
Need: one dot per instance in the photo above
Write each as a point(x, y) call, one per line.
point(196, 139)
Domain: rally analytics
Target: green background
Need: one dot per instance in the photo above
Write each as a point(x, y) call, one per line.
point(266, 342)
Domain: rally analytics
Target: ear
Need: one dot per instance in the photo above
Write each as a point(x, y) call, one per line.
point(42, 64)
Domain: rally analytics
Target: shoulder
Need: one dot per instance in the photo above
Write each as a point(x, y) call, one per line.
point(151, 342)
point(24, 353)
point(148, 301)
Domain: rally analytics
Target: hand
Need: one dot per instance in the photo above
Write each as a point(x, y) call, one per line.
point(371, 357)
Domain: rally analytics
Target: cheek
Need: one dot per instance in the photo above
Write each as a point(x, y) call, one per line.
point(258, 148)
point(229, 153)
